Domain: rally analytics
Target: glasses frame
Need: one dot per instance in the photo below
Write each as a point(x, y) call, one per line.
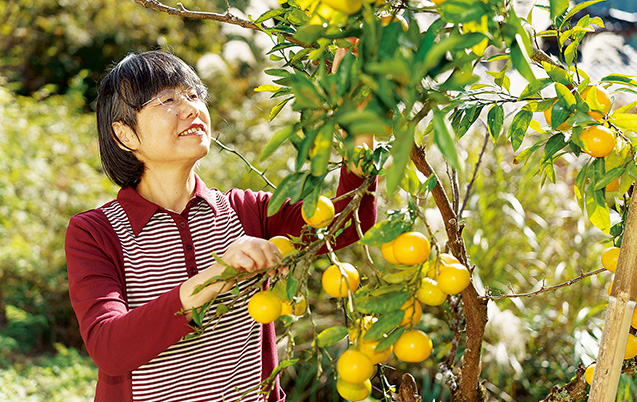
point(179, 96)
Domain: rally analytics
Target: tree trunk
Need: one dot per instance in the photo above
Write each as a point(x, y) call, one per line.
point(469, 388)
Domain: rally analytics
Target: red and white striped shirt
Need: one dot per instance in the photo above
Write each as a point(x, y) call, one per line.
point(126, 261)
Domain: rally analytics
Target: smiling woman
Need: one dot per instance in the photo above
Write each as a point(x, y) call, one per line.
point(134, 262)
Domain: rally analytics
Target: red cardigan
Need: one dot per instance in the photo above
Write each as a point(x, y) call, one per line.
point(98, 292)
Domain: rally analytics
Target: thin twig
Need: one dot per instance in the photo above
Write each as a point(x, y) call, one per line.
point(262, 174)
point(475, 174)
point(544, 289)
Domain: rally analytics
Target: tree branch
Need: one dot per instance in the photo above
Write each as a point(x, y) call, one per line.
point(545, 289)
point(204, 15)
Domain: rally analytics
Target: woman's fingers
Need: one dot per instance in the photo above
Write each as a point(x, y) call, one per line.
point(251, 254)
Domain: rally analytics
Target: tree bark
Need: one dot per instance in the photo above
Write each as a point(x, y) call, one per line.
point(475, 309)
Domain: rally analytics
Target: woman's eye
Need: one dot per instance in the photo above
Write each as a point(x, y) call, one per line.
point(168, 101)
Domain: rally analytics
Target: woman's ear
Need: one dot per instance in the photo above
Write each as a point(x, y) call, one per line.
point(125, 136)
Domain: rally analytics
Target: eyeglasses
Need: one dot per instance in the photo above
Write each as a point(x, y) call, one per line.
point(173, 97)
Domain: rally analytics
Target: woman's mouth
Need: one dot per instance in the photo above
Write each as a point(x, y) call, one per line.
point(192, 131)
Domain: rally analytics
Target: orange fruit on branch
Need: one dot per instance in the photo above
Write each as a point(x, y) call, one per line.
point(411, 248)
point(631, 347)
point(599, 141)
point(429, 293)
point(413, 346)
point(284, 245)
point(413, 312)
point(602, 97)
point(323, 213)
point(610, 257)
point(588, 374)
point(354, 366)
point(353, 391)
point(453, 278)
point(264, 307)
point(369, 349)
point(340, 278)
point(387, 250)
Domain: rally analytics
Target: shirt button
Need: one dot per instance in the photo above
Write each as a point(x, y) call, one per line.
point(189, 247)
point(182, 224)
point(192, 271)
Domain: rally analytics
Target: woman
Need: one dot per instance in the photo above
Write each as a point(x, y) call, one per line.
point(133, 263)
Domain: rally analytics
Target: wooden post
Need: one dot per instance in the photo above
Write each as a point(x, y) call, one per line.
point(621, 304)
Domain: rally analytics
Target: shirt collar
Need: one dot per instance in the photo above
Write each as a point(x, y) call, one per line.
point(139, 210)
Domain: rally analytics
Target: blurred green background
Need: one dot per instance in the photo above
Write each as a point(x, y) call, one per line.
point(519, 234)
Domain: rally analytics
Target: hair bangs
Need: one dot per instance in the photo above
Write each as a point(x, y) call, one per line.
point(141, 77)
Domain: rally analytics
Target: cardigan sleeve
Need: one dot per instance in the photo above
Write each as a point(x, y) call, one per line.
point(252, 210)
point(118, 339)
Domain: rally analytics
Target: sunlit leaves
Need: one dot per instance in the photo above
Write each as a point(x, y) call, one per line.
point(518, 128)
point(495, 121)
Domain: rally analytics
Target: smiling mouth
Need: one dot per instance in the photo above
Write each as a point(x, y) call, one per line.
point(191, 131)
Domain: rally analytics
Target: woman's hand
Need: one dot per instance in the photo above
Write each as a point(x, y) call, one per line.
point(250, 254)
point(246, 254)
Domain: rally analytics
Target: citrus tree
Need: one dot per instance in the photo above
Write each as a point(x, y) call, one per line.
point(409, 77)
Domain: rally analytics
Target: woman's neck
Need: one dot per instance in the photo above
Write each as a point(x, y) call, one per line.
point(171, 189)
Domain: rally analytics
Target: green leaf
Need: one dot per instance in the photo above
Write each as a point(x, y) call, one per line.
point(445, 139)
point(534, 87)
point(518, 128)
point(331, 336)
point(559, 114)
point(497, 57)
point(459, 11)
point(221, 310)
point(566, 98)
point(495, 121)
point(558, 74)
point(608, 177)
point(620, 79)
point(470, 116)
point(520, 58)
point(553, 146)
point(597, 209)
point(276, 140)
point(277, 108)
point(580, 186)
point(291, 187)
point(402, 276)
point(384, 325)
point(309, 33)
point(311, 191)
point(401, 149)
point(574, 10)
point(390, 340)
point(270, 14)
point(291, 287)
point(625, 121)
point(374, 303)
point(320, 153)
point(557, 7)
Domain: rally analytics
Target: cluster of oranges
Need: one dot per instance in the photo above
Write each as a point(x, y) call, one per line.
point(355, 367)
point(610, 257)
point(599, 141)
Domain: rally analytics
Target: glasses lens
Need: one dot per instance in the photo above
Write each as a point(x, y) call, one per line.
point(173, 97)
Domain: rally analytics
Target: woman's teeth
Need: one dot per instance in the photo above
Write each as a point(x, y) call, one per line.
point(190, 131)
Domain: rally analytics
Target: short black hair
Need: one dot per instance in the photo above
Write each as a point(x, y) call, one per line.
point(122, 93)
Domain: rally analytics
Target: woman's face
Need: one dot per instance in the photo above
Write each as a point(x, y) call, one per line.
point(173, 129)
